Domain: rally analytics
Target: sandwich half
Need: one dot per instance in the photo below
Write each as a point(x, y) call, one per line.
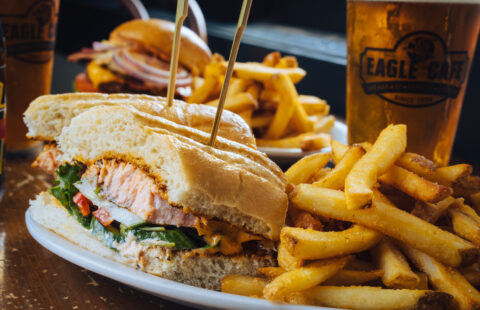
point(143, 190)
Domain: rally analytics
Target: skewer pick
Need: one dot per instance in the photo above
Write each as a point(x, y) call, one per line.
point(181, 15)
point(242, 24)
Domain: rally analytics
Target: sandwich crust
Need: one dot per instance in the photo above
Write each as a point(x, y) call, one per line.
point(156, 36)
point(193, 268)
point(231, 182)
point(47, 115)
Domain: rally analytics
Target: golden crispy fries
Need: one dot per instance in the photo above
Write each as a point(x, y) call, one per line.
point(414, 185)
point(238, 86)
point(204, 91)
point(294, 142)
point(431, 212)
point(360, 265)
point(286, 107)
point(271, 272)
point(260, 121)
point(197, 82)
point(303, 170)
point(270, 95)
point(247, 116)
point(475, 198)
point(386, 218)
point(465, 226)
point(324, 124)
point(353, 277)
point(472, 274)
point(261, 73)
point(315, 142)
point(314, 105)
point(390, 144)
point(445, 279)
point(311, 244)
point(338, 150)
point(254, 90)
point(287, 62)
point(243, 285)
point(286, 260)
point(397, 272)
point(321, 173)
point(237, 103)
point(417, 164)
point(373, 298)
point(336, 178)
point(450, 174)
point(272, 59)
point(303, 278)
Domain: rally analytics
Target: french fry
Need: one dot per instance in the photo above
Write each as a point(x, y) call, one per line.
point(416, 163)
point(271, 272)
point(475, 198)
point(321, 173)
point(254, 90)
point(373, 298)
point(431, 212)
point(472, 274)
point(465, 226)
point(311, 244)
point(359, 265)
point(303, 170)
point(286, 260)
point(247, 116)
point(390, 144)
point(445, 279)
point(325, 124)
point(414, 185)
point(466, 186)
point(382, 216)
point(303, 278)
point(238, 86)
point(287, 62)
point(243, 285)
point(314, 105)
point(290, 142)
point(397, 272)
point(450, 174)
point(353, 277)
point(197, 82)
point(261, 73)
point(338, 150)
point(260, 121)
point(270, 95)
point(336, 178)
point(237, 103)
point(286, 107)
point(271, 59)
point(315, 142)
point(202, 93)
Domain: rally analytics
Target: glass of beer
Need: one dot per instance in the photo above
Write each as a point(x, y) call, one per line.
point(408, 62)
point(29, 27)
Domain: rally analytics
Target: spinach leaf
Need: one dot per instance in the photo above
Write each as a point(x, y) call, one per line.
point(106, 234)
point(65, 190)
point(179, 236)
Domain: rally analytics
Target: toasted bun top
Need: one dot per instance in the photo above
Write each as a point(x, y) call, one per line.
point(48, 115)
point(230, 182)
point(156, 35)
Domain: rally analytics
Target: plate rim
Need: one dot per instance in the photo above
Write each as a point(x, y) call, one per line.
point(157, 286)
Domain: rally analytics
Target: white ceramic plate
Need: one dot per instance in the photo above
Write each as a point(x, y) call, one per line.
point(288, 156)
point(171, 290)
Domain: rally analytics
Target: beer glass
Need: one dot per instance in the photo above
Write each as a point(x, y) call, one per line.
point(29, 27)
point(408, 62)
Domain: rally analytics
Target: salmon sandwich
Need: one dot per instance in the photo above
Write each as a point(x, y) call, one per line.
point(138, 183)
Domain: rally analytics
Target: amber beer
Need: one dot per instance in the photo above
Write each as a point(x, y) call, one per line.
point(408, 62)
point(29, 27)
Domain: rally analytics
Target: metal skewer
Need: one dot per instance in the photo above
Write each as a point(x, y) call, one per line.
point(242, 24)
point(181, 15)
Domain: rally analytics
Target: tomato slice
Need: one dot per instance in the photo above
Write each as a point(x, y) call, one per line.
point(83, 203)
point(103, 216)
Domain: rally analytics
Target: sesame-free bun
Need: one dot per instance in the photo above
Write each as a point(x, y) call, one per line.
point(47, 115)
point(156, 36)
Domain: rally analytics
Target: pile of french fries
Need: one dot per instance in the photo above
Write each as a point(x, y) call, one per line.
point(382, 229)
point(264, 95)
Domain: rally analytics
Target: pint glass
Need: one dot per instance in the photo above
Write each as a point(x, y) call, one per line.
point(29, 27)
point(408, 62)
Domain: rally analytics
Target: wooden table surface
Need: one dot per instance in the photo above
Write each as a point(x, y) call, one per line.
point(31, 277)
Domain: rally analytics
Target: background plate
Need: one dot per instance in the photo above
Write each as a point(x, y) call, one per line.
point(171, 290)
point(289, 156)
